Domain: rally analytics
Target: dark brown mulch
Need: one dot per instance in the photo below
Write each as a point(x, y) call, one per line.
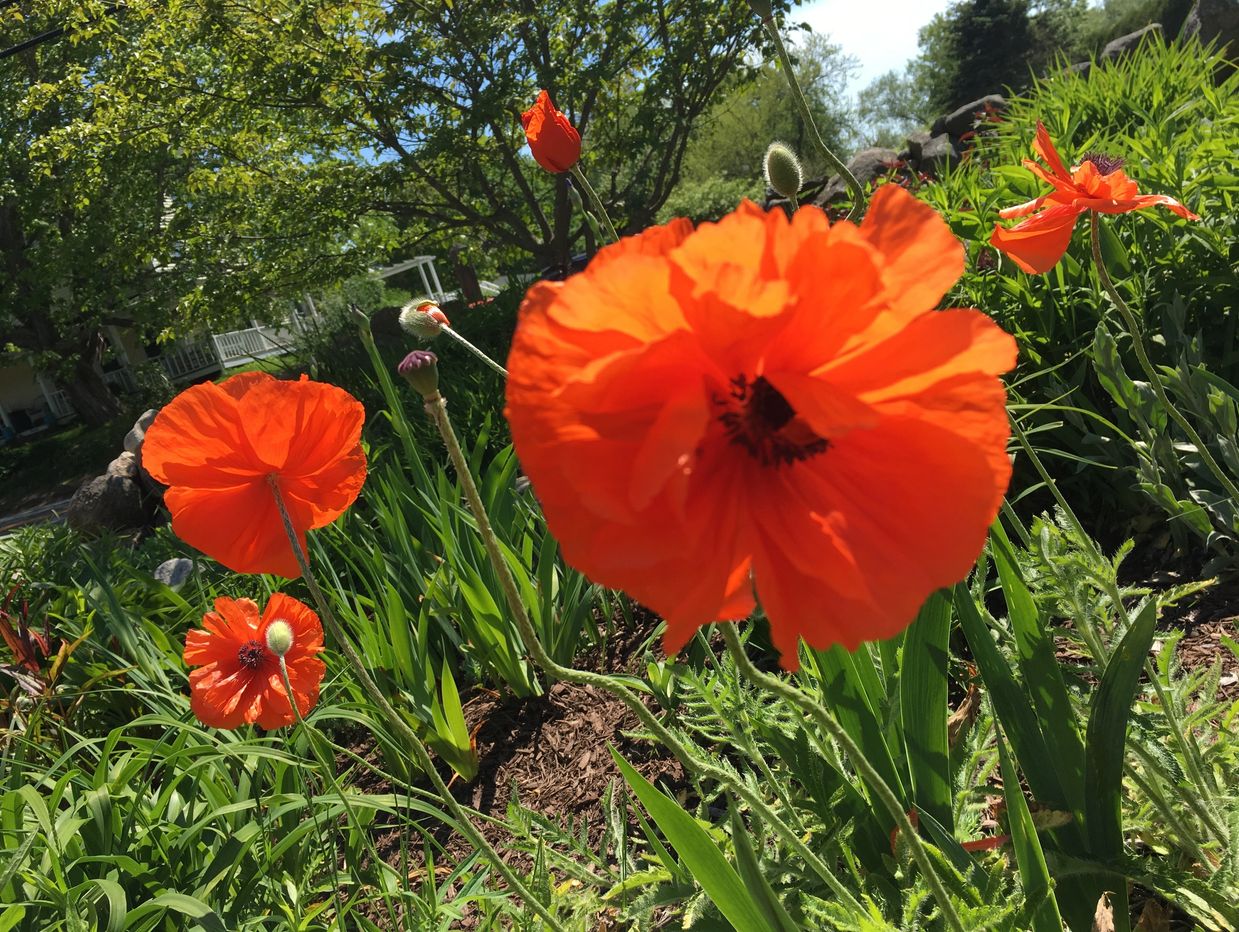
point(1205, 619)
point(554, 751)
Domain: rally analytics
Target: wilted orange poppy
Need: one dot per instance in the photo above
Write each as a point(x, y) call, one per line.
point(770, 405)
point(554, 142)
point(238, 681)
point(1097, 183)
point(215, 445)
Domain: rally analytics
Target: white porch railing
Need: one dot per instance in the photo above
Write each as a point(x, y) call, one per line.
point(254, 343)
point(188, 359)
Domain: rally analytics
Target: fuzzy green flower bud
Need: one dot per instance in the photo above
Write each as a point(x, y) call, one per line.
point(423, 319)
point(782, 170)
point(279, 637)
point(421, 370)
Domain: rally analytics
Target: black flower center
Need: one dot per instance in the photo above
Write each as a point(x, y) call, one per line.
point(1105, 164)
point(251, 655)
point(757, 418)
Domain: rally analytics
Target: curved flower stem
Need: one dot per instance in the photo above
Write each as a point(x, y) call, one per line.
point(867, 771)
point(1192, 760)
point(594, 199)
point(451, 332)
point(329, 771)
point(436, 407)
point(420, 754)
point(1155, 380)
point(858, 192)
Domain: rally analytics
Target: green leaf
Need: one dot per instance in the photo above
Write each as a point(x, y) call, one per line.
point(1043, 674)
point(777, 918)
point(1034, 873)
point(1010, 703)
point(923, 708)
point(698, 852)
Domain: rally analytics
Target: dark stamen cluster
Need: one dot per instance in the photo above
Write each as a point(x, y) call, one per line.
point(759, 419)
point(251, 655)
point(1105, 164)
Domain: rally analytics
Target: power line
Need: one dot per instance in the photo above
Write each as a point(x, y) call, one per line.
point(46, 36)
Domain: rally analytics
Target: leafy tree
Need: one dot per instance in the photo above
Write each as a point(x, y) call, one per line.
point(755, 108)
point(419, 104)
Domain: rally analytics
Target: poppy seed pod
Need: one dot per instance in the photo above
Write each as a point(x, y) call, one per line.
point(279, 637)
point(423, 319)
point(421, 370)
point(782, 170)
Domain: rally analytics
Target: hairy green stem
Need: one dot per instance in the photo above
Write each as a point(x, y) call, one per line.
point(420, 754)
point(594, 199)
point(436, 408)
point(1192, 759)
point(451, 332)
point(329, 770)
point(867, 771)
point(858, 192)
point(1155, 380)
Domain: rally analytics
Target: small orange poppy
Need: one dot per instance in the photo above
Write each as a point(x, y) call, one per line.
point(767, 404)
point(554, 142)
point(1097, 183)
point(238, 679)
point(215, 445)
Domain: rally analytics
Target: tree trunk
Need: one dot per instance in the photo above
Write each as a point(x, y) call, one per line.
point(91, 397)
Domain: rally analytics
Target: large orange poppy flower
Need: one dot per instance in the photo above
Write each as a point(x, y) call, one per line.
point(770, 404)
point(215, 445)
point(1097, 183)
point(238, 679)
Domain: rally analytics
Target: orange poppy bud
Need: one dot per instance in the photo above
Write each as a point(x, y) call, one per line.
point(555, 143)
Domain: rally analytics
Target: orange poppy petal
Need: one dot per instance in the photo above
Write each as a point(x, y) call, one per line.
point(238, 527)
point(238, 386)
point(197, 439)
point(305, 624)
point(1044, 147)
point(1140, 202)
point(1036, 244)
point(299, 428)
point(934, 347)
point(922, 257)
point(882, 544)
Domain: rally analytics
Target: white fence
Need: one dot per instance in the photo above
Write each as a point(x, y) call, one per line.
point(255, 343)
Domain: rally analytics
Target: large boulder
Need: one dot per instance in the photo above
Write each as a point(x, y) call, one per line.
point(107, 503)
point(867, 165)
point(1214, 19)
point(124, 466)
point(939, 154)
point(1128, 43)
point(963, 119)
point(915, 144)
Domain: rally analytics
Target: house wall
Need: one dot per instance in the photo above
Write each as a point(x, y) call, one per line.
point(19, 388)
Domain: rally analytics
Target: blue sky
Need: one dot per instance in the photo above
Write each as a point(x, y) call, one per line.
point(881, 35)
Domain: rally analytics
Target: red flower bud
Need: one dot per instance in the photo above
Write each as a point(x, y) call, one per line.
point(555, 143)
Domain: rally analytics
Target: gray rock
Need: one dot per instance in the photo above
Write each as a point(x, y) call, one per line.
point(964, 119)
point(174, 572)
point(866, 165)
point(106, 503)
point(939, 154)
point(916, 142)
point(124, 466)
point(1128, 43)
point(133, 439)
point(1082, 68)
point(1214, 19)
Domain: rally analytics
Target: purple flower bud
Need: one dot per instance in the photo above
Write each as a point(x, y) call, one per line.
point(421, 370)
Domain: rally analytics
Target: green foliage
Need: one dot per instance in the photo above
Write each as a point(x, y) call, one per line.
point(1112, 452)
